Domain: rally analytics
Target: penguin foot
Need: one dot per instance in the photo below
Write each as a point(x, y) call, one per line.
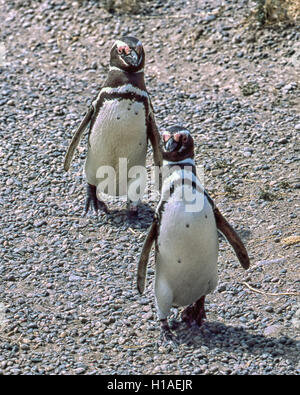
point(92, 200)
point(132, 208)
point(200, 317)
point(188, 315)
point(166, 335)
point(132, 214)
point(174, 324)
point(200, 314)
point(167, 338)
point(195, 313)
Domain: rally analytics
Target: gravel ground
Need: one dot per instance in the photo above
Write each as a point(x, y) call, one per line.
point(68, 301)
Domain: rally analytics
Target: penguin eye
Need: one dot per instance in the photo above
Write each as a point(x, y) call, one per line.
point(185, 138)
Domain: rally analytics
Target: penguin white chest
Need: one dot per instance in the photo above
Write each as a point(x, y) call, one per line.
point(186, 262)
point(119, 132)
point(120, 123)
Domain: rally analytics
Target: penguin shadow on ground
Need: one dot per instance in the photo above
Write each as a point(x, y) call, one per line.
point(245, 234)
point(235, 339)
point(121, 216)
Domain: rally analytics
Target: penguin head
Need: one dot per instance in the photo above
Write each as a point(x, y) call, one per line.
point(127, 54)
point(178, 144)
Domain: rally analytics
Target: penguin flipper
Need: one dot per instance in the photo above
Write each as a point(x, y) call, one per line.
point(144, 257)
point(155, 140)
point(232, 237)
point(76, 138)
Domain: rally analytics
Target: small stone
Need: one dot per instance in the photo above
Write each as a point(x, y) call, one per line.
point(36, 360)
point(283, 141)
point(271, 261)
point(118, 220)
point(197, 371)
point(222, 288)
point(272, 330)
point(269, 309)
point(74, 277)
point(296, 320)
point(210, 18)
point(10, 277)
point(38, 224)
point(25, 347)
point(289, 87)
point(96, 250)
point(3, 364)
point(80, 370)
point(248, 149)
point(147, 316)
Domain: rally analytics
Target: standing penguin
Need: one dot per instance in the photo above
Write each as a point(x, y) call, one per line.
point(184, 230)
point(120, 122)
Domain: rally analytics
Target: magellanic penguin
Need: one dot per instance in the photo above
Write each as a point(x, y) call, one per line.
point(121, 121)
point(184, 230)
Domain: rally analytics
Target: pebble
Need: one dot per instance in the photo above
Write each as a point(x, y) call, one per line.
point(80, 370)
point(296, 320)
point(9, 182)
point(282, 141)
point(271, 261)
point(74, 277)
point(269, 309)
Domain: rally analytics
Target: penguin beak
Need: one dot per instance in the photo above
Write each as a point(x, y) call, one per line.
point(171, 145)
point(133, 58)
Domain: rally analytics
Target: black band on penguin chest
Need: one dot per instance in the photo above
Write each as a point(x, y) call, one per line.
point(182, 166)
point(181, 182)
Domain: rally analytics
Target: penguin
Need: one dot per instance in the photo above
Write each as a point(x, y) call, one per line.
point(120, 121)
point(185, 233)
